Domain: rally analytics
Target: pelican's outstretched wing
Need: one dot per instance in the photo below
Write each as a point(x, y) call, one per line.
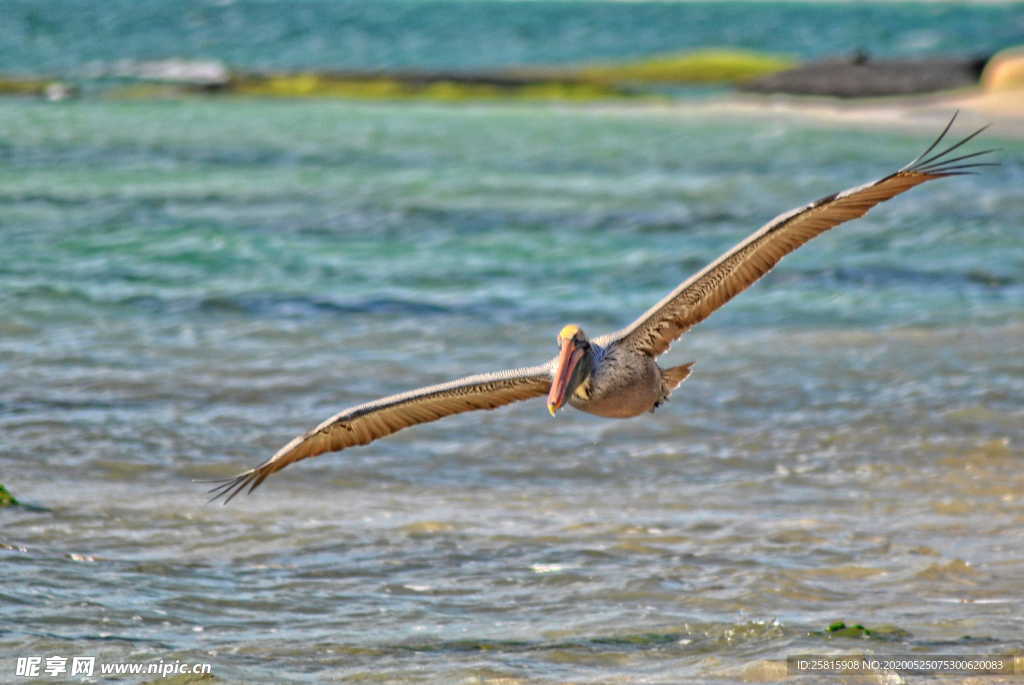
point(367, 422)
point(696, 298)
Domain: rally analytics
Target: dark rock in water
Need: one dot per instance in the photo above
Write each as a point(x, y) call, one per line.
point(863, 76)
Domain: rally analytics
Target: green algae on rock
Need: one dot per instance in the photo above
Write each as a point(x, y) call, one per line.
point(570, 83)
point(856, 630)
point(48, 88)
point(440, 86)
point(6, 498)
point(701, 66)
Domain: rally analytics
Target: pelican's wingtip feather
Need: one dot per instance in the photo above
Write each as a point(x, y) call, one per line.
point(939, 164)
point(226, 489)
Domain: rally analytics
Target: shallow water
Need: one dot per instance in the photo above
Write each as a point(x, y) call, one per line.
point(186, 285)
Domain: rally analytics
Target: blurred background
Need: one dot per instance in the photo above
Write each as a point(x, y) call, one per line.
point(225, 221)
point(85, 37)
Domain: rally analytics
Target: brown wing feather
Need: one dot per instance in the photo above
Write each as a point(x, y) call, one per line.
point(365, 423)
point(696, 298)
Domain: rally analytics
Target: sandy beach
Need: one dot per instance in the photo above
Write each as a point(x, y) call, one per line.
point(1003, 110)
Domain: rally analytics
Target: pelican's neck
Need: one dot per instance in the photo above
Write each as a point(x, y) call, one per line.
point(590, 362)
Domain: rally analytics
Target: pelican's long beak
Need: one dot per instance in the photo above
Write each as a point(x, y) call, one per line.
point(570, 356)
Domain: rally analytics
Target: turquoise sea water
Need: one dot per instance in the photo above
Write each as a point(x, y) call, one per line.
point(185, 285)
point(79, 38)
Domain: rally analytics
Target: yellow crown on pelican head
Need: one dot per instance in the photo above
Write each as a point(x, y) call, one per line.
point(568, 332)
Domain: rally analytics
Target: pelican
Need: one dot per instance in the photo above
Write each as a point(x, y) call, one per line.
point(614, 375)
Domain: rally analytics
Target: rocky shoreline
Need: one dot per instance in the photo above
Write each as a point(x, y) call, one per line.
point(606, 80)
point(861, 76)
point(747, 74)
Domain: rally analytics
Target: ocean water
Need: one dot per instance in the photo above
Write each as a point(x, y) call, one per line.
point(84, 38)
point(185, 285)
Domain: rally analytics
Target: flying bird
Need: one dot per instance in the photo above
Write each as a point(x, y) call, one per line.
point(614, 375)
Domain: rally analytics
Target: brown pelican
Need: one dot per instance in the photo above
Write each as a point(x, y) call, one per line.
point(614, 375)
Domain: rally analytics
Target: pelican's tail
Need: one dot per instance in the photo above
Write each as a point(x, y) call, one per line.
point(676, 375)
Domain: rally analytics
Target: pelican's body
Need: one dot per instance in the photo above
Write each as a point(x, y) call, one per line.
point(615, 375)
point(621, 383)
